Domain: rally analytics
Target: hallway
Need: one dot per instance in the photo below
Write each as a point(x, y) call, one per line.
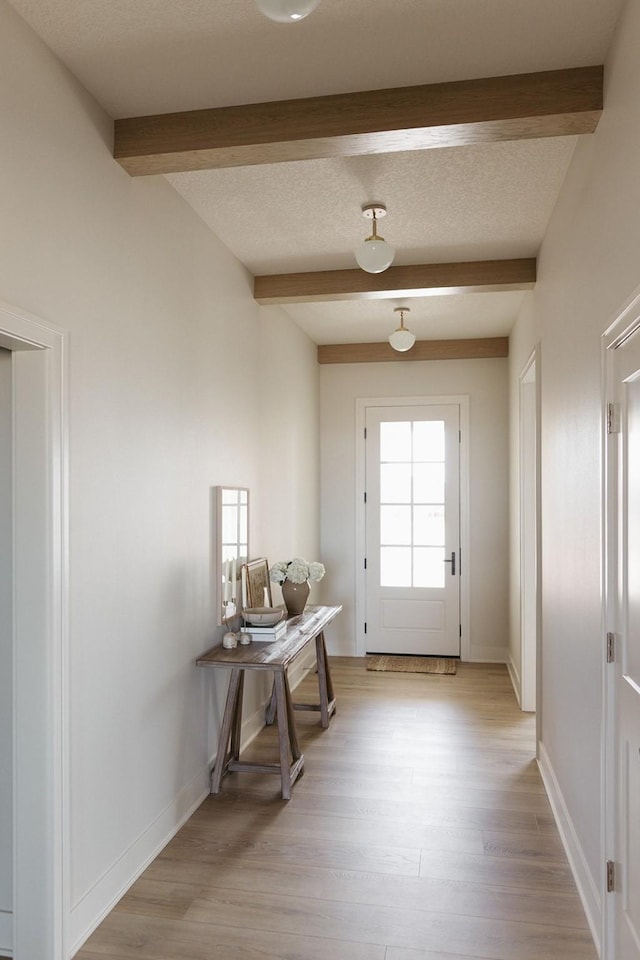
point(419, 831)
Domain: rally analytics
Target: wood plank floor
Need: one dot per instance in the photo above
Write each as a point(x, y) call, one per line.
point(419, 831)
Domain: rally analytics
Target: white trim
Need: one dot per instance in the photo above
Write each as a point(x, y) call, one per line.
point(528, 689)
point(40, 634)
point(89, 912)
point(587, 887)
point(360, 533)
point(484, 653)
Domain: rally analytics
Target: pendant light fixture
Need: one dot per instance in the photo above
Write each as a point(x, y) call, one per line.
point(286, 11)
point(374, 255)
point(402, 339)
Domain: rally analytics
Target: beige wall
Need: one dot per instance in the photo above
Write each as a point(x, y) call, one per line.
point(587, 268)
point(485, 382)
point(177, 381)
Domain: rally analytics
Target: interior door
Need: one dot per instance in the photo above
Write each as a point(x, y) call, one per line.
point(627, 660)
point(412, 477)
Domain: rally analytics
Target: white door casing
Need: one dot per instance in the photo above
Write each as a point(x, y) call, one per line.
point(529, 534)
point(388, 607)
point(40, 635)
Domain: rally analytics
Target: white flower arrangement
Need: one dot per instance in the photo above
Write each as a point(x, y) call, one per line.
point(296, 570)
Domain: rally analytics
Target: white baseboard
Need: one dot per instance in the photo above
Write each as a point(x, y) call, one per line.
point(96, 903)
point(481, 653)
point(91, 910)
point(6, 933)
point(587, 886)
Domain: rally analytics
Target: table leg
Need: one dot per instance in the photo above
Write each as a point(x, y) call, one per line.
point(327, 698)
point(283, 733)
point(229, 719)
point(236, 728)
point(296, 752)
point(271, 707)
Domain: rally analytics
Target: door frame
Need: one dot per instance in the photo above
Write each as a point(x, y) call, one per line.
point(462, 400)
point(530, 646)
point(626, 322)
point(41, 854)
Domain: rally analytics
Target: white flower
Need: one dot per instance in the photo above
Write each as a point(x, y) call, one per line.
point(296, 570)
point(278, 572)
point(316, 570)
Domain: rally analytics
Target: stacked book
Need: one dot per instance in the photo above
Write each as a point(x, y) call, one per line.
point(272, 632)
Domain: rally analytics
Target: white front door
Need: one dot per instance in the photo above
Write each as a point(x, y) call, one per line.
point(412, 480)
point(627, 659)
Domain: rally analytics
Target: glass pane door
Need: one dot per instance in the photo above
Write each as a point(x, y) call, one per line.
point(413, 529)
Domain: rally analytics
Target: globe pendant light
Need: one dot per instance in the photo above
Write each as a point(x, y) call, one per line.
point(402, 339)
point(373, 254)
point(286, 11)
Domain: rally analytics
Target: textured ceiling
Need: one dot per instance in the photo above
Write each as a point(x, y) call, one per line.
point(487, 201)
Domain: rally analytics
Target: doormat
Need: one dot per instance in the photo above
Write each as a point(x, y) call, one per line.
point(412, 664)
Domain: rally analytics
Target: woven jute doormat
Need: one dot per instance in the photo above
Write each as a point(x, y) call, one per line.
point(412, 664)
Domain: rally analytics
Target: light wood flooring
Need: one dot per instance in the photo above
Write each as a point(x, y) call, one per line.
point(419, 831)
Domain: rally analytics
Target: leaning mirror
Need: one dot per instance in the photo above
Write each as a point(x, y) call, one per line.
point(231, 548)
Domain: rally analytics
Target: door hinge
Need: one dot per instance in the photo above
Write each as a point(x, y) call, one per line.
point(611, 647)
point(459, 436)
point(460, 631)
point(365, 563)
point(611, 876)
point(613, 418)
point(365, 433)
point(365, 627)
point(365, 496)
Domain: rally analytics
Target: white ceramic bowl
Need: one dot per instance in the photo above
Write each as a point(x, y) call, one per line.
point(263, 616)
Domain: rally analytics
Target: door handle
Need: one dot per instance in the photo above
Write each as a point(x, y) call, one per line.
point(452, 561)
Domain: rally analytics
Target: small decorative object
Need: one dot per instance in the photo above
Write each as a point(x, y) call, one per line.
point(244, 638)
point(262, 616)
point(230, 641)
point(293, 576)
point(257, 589)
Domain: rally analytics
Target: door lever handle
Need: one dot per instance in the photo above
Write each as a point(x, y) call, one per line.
point(452, 561)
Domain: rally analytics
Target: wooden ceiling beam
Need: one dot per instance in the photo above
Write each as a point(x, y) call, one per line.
point(417, 280)
point(548, 104)
point(481, 349)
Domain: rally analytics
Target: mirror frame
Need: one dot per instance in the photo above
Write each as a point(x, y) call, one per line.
point(228, 552)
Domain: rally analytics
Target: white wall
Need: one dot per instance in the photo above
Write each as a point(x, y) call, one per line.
point(6, 846)
point(588, 266)
point(485, 382)
point(175, 377)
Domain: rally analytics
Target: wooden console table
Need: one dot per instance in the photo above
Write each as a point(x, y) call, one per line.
point(278, 657)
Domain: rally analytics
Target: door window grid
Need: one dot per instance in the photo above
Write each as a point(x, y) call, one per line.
point(412, 485)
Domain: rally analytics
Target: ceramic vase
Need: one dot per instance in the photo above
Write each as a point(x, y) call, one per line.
point(295, 596)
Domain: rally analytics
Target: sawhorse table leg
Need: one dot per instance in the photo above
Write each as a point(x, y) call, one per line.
point(327, 705)
point(291, 759)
